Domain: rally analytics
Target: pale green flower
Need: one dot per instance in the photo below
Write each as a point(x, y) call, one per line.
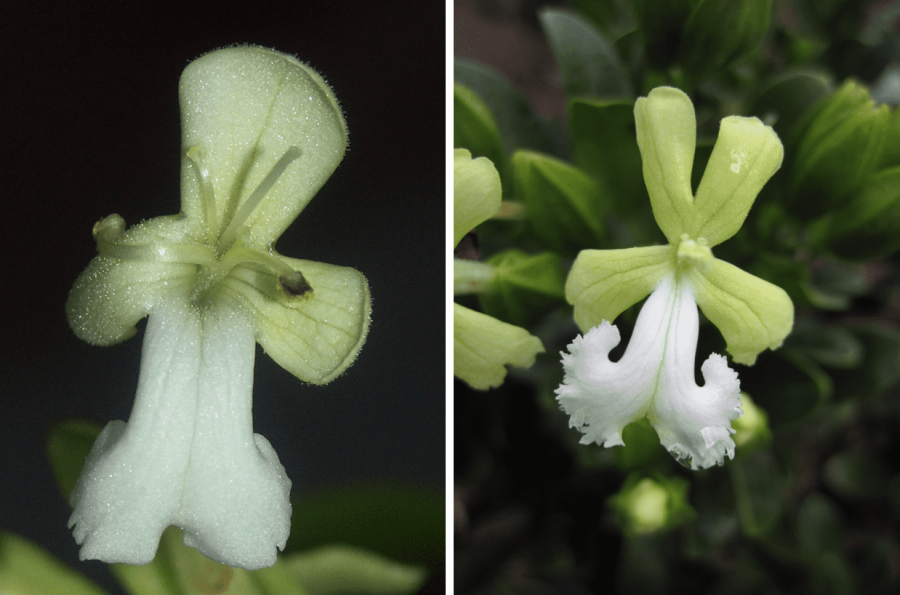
point(482, 345)
point(261, 133)
point(655, 377)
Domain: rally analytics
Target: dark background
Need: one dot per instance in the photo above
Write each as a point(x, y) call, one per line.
point(90, 127)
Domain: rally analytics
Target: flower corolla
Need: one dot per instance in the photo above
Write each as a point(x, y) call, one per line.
point(655, 376)
point(261, 133)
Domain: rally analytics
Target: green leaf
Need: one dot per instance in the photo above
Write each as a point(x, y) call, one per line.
point(890, 156)
point(588, 62)
point(833, 284)
point(27, 569)
point(525, 286)
point(474, 127)
point(402, 523)
point(759, 491)
point(662, 24)
point(820, 525)
point(879, 369)
point(720, 33)
point(605, 147)
point(786, 384)
point(856, 476)
point(339, 570)
point(784, 100)
point(565, 206)
point(869, 226)
point(181, 570)
point(614, 18)
point(837, 151)
point(68, 445)
point(828, 345)
point(642, 447)
point(519, 126)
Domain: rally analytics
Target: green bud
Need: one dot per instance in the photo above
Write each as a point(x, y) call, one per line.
point(752, 427)
point(838, 149)
point(651, 505)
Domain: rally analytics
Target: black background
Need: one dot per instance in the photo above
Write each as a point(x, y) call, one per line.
point(89, 124)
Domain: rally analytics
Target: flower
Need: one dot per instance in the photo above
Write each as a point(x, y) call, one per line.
point(655, 377)
point(261, 133)
point(482, 345)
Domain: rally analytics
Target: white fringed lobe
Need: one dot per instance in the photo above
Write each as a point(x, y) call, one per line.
point(654, 378)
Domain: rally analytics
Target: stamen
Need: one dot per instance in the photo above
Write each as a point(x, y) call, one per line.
point(242, 255)
point(294, 285)
point(231, 232)
point(207, 195)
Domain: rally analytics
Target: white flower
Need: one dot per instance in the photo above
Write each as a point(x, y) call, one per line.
point(261, 133)
point(655, 378)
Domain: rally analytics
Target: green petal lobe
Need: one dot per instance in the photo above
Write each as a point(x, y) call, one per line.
point(746, 155)
point(314, 336)
point(667, 137)
point(111, 295)
point(604, 283)
point(482, 345)
point(752, 314)
point(243, 109)
point(476, 192)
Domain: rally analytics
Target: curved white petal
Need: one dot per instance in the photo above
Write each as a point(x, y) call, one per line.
point(603, 396)
point(188, 455)
point(693, 422)
point(655, 377)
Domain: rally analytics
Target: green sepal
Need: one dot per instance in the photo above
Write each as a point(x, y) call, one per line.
point(565, 206)
point(837, 150)
point(603, 283)
point(667, 138)
point(474, 126)
point(525, 286)
point(869, 226)
point(483, 345)
point(752, 314)
point(476, 192)
point(746, 154)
